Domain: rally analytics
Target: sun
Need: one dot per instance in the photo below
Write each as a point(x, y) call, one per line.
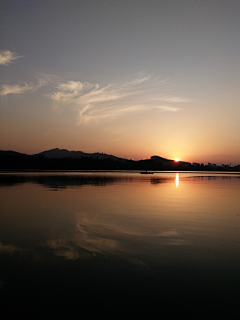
point(176, 159)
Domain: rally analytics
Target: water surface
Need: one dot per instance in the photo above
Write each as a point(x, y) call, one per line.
point(119, 244)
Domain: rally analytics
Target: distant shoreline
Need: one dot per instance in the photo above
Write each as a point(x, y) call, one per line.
point(2, 171)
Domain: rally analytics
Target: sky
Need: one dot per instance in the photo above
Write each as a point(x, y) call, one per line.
point(130, 78)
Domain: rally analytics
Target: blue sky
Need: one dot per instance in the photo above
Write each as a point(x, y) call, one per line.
point(129, 78)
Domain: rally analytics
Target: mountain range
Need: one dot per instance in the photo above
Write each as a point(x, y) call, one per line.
point(62, 159)
point(64, 153)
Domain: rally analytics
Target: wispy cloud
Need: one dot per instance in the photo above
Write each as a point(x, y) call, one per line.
point(7, 89)
point(15, 89)
point(70, 90)
point(174, 99)
point(92, 102)
point(7, 57)
point(9, 248)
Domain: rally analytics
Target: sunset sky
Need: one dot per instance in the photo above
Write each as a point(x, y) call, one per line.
point(131, 78)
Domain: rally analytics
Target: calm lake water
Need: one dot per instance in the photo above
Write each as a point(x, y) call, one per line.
point(120, 245)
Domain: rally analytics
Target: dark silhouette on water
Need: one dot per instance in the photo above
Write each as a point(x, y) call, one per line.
point(146, 172)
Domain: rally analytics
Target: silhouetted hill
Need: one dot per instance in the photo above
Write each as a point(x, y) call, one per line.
point(12, 153)
point(63, 153)
point(62, 159)
point(160, 159)
point(164, 161)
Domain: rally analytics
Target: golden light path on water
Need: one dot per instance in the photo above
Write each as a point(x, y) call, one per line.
point(177, 180)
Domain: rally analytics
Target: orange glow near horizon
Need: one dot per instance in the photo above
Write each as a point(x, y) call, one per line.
point(176, 159)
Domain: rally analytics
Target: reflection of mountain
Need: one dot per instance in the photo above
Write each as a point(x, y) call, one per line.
point(60, 180)
point(72, 180)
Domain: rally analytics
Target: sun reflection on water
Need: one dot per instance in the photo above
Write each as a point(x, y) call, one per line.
point(177, 180)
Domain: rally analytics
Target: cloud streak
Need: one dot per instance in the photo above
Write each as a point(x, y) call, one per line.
point(7, 89)
point(94, 103)
point(15, 89)
point(7, 57)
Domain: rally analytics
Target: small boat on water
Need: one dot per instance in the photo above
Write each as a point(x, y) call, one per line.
point(146, 172)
